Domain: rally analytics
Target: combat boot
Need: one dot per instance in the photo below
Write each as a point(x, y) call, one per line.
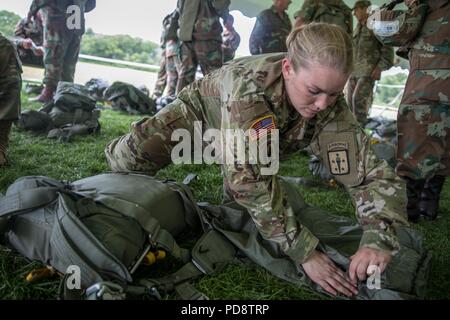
point(429, 200)
point(46, 94)
point(5, 128)
point(413, 191)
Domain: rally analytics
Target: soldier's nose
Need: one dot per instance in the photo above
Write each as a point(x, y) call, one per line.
point(321, 103)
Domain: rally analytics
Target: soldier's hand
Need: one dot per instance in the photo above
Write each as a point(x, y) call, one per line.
point(363, 259)
point(325, 273)
point(39, 51)
point(27, 43)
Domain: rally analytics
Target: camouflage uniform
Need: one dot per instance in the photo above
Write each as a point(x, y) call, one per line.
point(200, 33)
point(169, 63)
point(26, 29)
point(270, 32)
point(231, 41)
point(239, 96)
point(424, 113)
point(10, 86)
point(328, 11)
point(423, 121)
point(369, 54)
point(61, 45)
point(161, 80)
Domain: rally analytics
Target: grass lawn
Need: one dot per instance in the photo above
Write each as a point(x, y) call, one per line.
point(32, 154)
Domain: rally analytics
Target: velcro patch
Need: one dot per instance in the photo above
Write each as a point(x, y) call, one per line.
point(261, 127)
point(338, 158)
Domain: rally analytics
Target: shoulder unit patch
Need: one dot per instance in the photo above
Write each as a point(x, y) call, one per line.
point(338, 158)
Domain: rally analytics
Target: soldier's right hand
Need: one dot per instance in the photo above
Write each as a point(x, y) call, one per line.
point(325, 273)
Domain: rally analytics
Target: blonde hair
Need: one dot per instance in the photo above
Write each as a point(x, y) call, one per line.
point(325, 44)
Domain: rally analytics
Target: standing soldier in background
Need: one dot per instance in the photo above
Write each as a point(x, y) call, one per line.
point(327, 11)
point(423, 121)
point(271, 29)
point(231, 40)
point(200, 33)
point(28, 37)
point(61, 40)
point(10, 86)
point(371, 57)
point(170, 62)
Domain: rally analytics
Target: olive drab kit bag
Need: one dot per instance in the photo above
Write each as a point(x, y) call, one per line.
point(110, 224)
point(71, 112)
point(126, 97)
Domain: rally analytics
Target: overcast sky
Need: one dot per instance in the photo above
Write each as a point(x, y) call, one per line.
point(138, 18)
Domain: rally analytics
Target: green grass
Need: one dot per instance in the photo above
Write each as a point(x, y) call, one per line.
point(32, 154)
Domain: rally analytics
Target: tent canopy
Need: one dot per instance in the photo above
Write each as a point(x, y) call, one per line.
point(251, 8)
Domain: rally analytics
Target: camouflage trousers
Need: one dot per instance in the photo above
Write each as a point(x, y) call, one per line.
point(359, 95)
point(172, 67)
point(423, 140)
point(147, 148)
point(161, 80)
point(206, 53)
point(60, 58)
point(10, 97)
point(167, 75)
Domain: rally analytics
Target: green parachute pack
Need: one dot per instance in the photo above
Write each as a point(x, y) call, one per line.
point(126, 97)
point(107, 225)
point(71, 112)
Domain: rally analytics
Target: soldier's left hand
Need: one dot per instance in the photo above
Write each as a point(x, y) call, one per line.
point(363, 259)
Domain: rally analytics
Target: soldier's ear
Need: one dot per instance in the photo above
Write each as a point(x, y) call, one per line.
point(287, 69)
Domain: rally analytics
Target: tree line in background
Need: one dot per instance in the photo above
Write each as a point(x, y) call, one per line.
point(120, 47)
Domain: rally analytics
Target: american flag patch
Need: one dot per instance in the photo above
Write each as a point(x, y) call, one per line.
point(261, 127)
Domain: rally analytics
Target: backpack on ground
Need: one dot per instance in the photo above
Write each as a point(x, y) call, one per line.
point(106, 225)
point(128, 98)
point(71, 112)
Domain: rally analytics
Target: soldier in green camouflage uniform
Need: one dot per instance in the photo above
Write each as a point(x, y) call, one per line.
point(423, 121)
point(61, 44)
point(161, 80)
point(300, 95)
point(327, 11)
point(28, 37)
point(371, 57)
point(271, 29)
point(170, 62)
point(10, 86)
point(230, 40)
point(200, 33)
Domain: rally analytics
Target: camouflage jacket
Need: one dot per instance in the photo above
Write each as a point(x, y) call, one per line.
point(328, 11)
point(29, 29)
point(200, 19)
point(270, 32)
point(54, 14)
point(230, 43)
point(425, 31)
point(369, 52)
point(246, 93)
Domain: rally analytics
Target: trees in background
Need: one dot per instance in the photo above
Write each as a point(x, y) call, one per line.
point(120, 47)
